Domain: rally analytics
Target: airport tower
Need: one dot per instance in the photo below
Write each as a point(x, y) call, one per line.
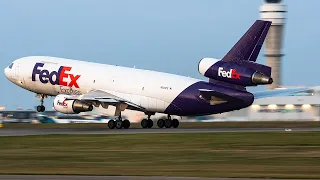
point(275, 11)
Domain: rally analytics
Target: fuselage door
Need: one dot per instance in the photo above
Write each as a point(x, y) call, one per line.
point(18, 76)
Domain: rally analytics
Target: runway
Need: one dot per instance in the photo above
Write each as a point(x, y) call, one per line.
point(48, 131)
point(56, 177)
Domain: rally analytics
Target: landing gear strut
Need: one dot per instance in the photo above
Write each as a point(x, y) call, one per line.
point(119, 123)
point(41, 107)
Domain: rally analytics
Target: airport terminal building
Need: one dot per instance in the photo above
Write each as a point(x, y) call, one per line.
point(293, 108)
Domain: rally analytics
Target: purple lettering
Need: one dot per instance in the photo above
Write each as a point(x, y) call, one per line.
point(36, 70)
point(56, 80)
point(43, 76)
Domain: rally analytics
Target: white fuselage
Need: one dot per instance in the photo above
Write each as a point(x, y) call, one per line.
point(149, 89)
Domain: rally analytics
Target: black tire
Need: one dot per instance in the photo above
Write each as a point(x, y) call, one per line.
point(144, 123)
point(119, 124)
point(175, 123)
point(111, 124)
point(150, 123)
point(126, 124)
point(168, 123)
point(160, 123)
point(39, 108)
point(43, 108)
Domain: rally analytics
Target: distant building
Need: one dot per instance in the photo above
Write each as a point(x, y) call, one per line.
point(303, 107)
point(274, 11)
point(21, 116)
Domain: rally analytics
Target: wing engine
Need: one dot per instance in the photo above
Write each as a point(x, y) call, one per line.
point(73, 106)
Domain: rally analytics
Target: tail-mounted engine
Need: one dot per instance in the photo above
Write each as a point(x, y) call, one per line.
point(232, 73)
point(63, 105)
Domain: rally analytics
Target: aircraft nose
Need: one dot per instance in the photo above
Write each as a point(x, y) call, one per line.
point(6, 72)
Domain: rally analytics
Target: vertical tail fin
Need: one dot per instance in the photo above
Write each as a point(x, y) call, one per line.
point(249, 45)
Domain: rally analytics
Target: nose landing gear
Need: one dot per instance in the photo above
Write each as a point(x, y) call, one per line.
point(41, 107)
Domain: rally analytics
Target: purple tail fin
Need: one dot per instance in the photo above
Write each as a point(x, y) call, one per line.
point(249, 45)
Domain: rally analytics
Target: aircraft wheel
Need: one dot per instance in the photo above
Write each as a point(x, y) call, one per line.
point(168, 123)
point(144, 123)
point(111, 124)
point(41, 108)
point(126, 124)
point(175, 123)
point(160, 123)
point(119, 124)
point(150, 123)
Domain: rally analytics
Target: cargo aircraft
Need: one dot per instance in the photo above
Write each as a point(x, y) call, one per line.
point(79, 86)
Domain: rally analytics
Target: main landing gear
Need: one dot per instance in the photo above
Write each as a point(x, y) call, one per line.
point(41, 107)
point(147, 123)
point(119, 123)
point(168, 123)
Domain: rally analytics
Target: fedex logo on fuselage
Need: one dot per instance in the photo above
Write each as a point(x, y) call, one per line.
point(232, 74)
point(55, 77)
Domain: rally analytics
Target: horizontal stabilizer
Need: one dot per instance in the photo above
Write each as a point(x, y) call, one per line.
point(279, 92)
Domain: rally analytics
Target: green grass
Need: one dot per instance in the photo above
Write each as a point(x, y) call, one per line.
point(274, 155)
point(267, 124)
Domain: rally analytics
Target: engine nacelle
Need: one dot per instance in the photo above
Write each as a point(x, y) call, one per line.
point(70, 106)
point(232, 73)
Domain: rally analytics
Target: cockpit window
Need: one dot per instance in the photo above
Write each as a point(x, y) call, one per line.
point(11, 65)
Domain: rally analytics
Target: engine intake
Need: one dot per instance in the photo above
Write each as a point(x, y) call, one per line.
point(232, 73)
point(70, 106)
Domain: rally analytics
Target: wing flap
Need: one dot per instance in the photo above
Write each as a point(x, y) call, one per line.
point(279, 92)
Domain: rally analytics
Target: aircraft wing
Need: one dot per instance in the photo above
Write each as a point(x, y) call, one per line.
point(279, 92)
point(103, 97)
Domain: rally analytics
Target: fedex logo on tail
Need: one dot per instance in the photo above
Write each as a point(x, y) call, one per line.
point(55, 77)
point(232, 74)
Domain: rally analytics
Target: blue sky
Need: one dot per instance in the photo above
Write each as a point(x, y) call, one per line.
point(162, 35)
